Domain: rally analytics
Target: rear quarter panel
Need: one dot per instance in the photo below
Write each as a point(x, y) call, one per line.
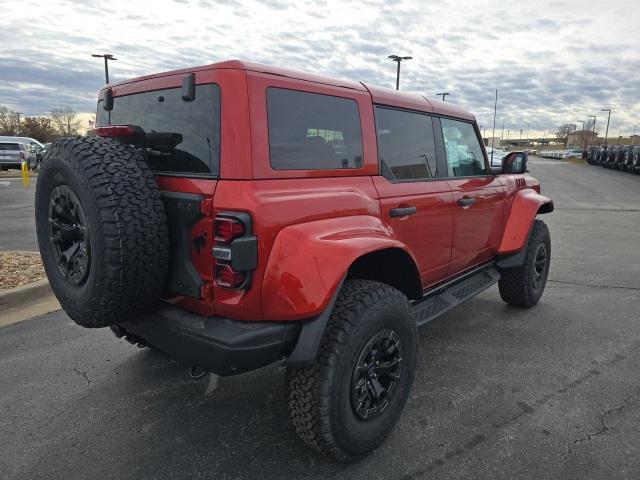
point(275, 205)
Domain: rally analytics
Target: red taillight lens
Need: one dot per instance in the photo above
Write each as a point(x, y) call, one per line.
point(228, 278)
point(115, 131)
point(227, 229)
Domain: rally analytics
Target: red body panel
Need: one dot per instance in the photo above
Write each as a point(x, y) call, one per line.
point(429, 232)
point(311, 225)
point(308, 260)
point(477, 228)
point(276, 204)
point(523, 210)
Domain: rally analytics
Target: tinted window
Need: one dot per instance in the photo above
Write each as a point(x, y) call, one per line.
point(182, 137)
point(406, 146)
point(464, 154)
point(9, 146)
point(310, 131)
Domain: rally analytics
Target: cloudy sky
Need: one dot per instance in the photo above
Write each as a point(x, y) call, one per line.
point(553, 62)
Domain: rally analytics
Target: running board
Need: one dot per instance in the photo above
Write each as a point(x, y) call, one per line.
point(442, 299)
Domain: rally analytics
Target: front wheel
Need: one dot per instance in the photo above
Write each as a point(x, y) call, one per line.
point(523, 286)
point(348, 401)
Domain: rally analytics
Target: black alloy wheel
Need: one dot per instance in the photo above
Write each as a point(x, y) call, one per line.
point(69, 234)
point(540, 265)
point(375, 375)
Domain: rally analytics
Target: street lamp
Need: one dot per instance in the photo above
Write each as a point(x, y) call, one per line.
point(107, 57)
point(606, 135)
point(444, 94)
point(18, 115)
point(581, 133)
point(398, 60)
point(594, 127)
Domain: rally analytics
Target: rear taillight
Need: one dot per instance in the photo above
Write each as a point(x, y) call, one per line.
point(235, 250)
point(227, 277)
point(115, 131)
point(227, 229)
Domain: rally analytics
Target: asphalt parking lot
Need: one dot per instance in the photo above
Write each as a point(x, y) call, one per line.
point(18, 231)
point(552, 392)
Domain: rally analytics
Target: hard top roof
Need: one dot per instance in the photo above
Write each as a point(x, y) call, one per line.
point(380, 95)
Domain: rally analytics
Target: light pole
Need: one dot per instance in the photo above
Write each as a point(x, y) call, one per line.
point(18, 115)
point(398, 60)
point(633, 137)
point(107, 57)
point(444, 94)
point(581, 133)
point(606, 135)
point(573, 140)
point(594, 127)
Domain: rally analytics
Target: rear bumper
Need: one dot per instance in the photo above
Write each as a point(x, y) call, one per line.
point(218, 345)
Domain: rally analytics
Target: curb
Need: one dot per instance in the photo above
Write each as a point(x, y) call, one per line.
point(19, 296)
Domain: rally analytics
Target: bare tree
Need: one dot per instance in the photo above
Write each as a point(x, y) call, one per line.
point(39, 128)
point(9, 121)
point(65, 121)
point(564, 131)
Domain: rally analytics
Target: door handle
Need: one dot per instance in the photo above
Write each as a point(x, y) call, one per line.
point(402, 211)
point(466, 201)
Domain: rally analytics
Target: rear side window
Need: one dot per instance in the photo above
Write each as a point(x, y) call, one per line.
point(182, 137)
point(406, 146)
point(9, 146)
point(462, 147)
point(311, 131)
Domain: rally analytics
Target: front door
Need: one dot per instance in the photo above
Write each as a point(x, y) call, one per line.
point(415, 203)
point(478, 196)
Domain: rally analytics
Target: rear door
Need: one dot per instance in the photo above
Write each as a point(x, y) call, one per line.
point(415, 203)
point(478, 196)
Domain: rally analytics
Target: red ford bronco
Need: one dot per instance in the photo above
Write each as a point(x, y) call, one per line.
point(235, 215)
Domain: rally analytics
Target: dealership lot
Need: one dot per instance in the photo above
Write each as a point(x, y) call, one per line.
point(550, 392)
point(18, 231)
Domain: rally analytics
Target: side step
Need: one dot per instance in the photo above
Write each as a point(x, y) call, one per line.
point(450, 295)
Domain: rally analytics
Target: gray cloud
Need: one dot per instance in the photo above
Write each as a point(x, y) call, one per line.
point(552, 62)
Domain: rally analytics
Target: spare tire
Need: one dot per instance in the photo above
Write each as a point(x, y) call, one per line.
point(102, 230)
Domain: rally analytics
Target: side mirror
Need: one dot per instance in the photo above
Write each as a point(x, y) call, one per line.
point(515, 162)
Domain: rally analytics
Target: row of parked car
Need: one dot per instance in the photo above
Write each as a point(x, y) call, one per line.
point(15, 150)
point(625, 158)
point(561, 153)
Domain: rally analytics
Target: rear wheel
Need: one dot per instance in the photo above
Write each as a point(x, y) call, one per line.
point(350, 398)
point(523, 286)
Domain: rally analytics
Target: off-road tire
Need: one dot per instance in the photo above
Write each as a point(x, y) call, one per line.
point(128, 237)
point(517, 285)
point(319, 396)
